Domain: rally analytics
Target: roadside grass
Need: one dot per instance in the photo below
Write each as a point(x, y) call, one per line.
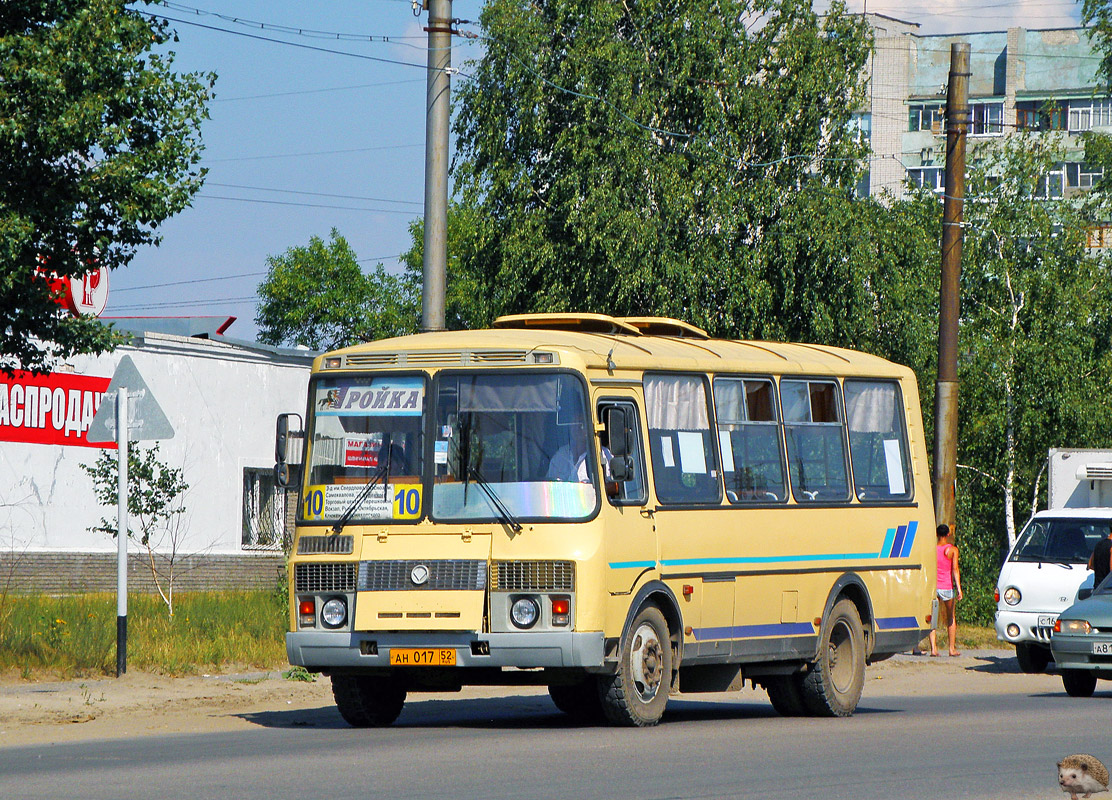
point(972, 637)
point(75, 636)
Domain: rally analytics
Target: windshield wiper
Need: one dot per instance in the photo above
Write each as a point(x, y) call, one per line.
point(504, 514)
point(363, 495)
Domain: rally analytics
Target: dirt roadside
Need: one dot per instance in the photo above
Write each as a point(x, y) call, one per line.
point(140, 704)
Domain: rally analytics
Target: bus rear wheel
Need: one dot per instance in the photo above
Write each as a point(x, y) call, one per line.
point(580, 701)
point(638, 692)
point(366, 702)
point(832, 688)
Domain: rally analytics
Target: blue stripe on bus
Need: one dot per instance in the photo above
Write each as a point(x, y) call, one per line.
point(897, 545)
point(754, 631)
point(886, 549)
point(892, 623)
point(911, 528)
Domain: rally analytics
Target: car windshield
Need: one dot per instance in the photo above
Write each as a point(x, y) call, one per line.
point(519, 440)
point(365, 429)
point(1066, 541)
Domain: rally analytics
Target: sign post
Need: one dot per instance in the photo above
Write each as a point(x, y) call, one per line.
point(136, 417)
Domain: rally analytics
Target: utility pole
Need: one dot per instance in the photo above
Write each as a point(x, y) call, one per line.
point(436, 165)
point(946, 392)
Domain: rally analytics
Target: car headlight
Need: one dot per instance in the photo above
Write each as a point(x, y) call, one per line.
point(334, 612)
point(1074, 626)
point(525, 612)
point(1012, 596)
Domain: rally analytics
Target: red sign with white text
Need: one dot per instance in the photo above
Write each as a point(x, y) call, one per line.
point(50, 409)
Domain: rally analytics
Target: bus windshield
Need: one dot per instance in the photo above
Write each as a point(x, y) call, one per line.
point(520, 440)
point(363, 429)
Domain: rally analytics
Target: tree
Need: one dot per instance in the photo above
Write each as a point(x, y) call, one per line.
point(99, 144)
point(635, 159)
point(318, 297)
point(154, 504)
point(1097, 14)
point(1035, 330)
point(465, 305)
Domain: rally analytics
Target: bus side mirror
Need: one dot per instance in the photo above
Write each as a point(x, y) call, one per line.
point(620, 434)
point(286, 474)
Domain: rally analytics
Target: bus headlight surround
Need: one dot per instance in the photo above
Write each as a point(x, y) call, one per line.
point(524, 612)
point(334, 612)
point(1012, 596)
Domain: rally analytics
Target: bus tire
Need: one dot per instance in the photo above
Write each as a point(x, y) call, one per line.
point(832, 688)
point(366, 702)
point(1032, 658)
point(1079, 682)
point(786, 695)
point(580, 701)
point(637, 693)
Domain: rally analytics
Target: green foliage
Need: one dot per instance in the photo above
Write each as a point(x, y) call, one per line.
point(1035, 346)
point(299, 673)
point(649, 159)
point(154, 491)
point(99, 144)
point(318, 297)
point(77, 635)
point(1097, 15)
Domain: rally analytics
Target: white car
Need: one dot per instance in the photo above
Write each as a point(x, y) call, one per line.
point(1044, 574)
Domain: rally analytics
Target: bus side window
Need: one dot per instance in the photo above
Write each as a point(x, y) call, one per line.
point(631, 491)
point(814, 434)
point(685, 468)
point(877, 441)
point(749, 438)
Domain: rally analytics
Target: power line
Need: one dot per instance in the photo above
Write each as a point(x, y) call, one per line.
point(305, 205)
point(315, 91)
point(288, 44)
point(314, 194)
point(314, 153)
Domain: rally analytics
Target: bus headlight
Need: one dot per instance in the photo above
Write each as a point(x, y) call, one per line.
point(1012, 596)
point(525, 612)
point(334, 612)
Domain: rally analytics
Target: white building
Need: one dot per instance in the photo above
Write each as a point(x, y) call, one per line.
point(220, 395)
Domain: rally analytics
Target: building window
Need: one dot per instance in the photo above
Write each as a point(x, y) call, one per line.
point(1051, 186)
point(925, 117)
point(264, 510)
point(1080, 175)
point(1040, 115)
point(986, 119)
point(933, 178)
point(1088, 114)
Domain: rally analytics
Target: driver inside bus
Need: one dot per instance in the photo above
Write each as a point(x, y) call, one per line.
point(570, 461)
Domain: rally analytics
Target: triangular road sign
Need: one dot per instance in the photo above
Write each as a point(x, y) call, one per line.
point(145, 420)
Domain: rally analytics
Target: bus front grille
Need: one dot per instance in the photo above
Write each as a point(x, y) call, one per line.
point(532, 576)
point(324, 577)
point(417, 574)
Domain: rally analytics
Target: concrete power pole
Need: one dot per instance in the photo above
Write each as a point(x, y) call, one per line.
point(946, 396)
point(436, 165)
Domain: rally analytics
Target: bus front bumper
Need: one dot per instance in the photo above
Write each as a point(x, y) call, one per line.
point(323, 650)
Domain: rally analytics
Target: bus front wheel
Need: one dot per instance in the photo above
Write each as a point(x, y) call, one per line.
point(366, 702)
point(833, 686)
point(637, 693)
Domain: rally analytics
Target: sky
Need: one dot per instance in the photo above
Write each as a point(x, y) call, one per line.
point(318, 122)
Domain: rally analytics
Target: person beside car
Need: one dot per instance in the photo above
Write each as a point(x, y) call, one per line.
point(1100, 562)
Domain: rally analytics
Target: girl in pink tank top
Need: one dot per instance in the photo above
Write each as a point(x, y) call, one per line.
point(948, 586)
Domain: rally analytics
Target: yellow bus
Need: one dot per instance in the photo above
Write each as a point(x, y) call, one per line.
point(616, 508)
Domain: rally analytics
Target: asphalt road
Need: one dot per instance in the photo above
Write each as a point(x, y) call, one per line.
point(983, 732)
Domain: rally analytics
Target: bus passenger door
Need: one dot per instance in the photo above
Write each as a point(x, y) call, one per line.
point(630, 541)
